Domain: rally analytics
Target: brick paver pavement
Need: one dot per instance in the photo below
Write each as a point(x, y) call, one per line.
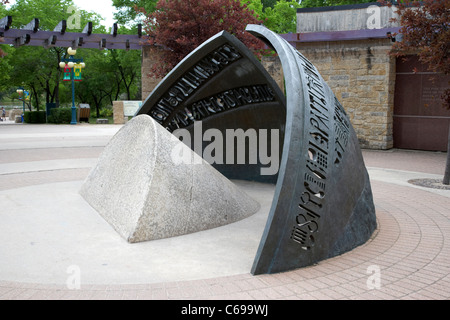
point(408, 257)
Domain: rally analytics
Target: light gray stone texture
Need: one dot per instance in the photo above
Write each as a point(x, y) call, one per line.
point(142, 189)
point(372, 16)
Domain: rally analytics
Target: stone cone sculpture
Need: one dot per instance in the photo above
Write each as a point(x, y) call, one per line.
point(148, 185)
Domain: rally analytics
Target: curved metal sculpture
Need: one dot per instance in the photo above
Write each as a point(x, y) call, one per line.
point(323, 203)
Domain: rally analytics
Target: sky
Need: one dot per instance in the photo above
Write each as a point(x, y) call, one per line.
point(102, 7)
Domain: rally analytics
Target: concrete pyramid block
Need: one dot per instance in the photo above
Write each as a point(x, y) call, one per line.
point(144, 192)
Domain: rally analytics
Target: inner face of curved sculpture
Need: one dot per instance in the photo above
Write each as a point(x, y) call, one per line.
point(303, 142)
point(224, 105)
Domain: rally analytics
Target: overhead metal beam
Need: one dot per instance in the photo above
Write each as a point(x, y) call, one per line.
point(61, 27)
point(102, 44)
point(88, 29)
point(68, 39)
point(139, 28)
point(33, 25)
point(50, 42)
point(22, 40)
point(5, 23)
point(346, 35)
point(114, 30)
point(78, 42)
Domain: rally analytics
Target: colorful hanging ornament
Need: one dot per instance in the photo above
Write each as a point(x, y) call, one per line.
point(77, 72)
point(67, 74)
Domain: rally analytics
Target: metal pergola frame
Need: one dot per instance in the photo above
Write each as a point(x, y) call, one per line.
point(32, 36)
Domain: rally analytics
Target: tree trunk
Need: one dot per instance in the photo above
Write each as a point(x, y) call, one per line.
point(36, 98)
point(447, 166)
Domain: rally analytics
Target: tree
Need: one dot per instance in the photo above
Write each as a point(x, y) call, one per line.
point(282, 18)
point(127, 70)
point(37, 68)
point(126, 66)
point(268, 3)
point(127, 13)
point(2, 11)
point(425, 28)
point(181, 26)
point(108, 75)
point(5, 69)
point(97, 79)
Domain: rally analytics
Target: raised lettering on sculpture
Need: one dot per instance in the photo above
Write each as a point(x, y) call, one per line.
point(220, 102)
point(313, 197)
point(189, 83)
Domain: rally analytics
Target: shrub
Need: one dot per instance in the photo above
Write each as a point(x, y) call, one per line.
point(27, 117)
point(60, 116)
point(34, 117)
point(106, 112)
point(42, 116)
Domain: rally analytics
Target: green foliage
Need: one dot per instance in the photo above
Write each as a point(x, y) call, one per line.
point(5, 66)
point(280, 16)
point(127, 14)
point(283, 17)
point(34, 117)
point(126, 67)
point(35, 68)
point(32, 68)
point(60, 116)
point(268, 3)
point(106, 112)
point(27, 117)
point(50, 13)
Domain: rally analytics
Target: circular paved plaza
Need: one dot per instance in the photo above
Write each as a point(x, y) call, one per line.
point(53, 245)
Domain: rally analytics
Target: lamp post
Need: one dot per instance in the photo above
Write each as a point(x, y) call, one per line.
point(71, 63)
point(21, 92)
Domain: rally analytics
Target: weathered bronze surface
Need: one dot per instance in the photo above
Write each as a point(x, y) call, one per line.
point(322, 204)
point(224, 86)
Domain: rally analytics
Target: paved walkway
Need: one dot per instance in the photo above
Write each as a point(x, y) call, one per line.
point(45, 225)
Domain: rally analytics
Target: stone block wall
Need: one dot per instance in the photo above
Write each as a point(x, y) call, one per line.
point(148, 82)
point(362, 76)
point(272, 64)
point(118, 115)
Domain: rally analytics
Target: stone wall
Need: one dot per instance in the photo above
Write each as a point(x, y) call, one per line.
point(272, 65)
point(118, 115)
point(148, 82)
point(362, 76)
point(361, 72)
